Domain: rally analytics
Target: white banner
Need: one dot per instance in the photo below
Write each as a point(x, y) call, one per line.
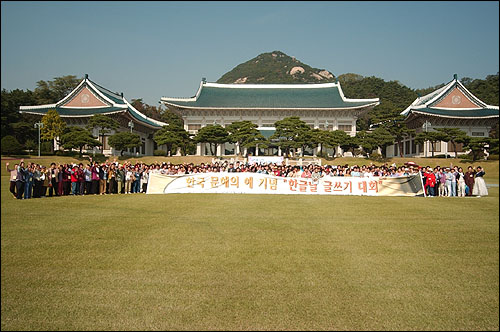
point(256, 183)
point(264, 160)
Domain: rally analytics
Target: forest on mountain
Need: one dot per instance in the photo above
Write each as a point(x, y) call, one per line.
point(275, 68)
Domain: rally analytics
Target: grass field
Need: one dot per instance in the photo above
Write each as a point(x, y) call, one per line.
point(246, 262)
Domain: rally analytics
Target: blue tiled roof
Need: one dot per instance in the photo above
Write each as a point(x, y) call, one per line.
point(269, 97)
point(65, 111)
point(462, 113)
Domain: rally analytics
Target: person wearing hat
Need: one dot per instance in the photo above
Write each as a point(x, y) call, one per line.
point(430, 182)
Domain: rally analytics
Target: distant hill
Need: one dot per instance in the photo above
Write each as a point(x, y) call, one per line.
point(274, 68)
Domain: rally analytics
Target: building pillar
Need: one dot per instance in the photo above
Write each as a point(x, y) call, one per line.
point(198, 149)
point(279, 151)
point(218, 151)
point(256, 149)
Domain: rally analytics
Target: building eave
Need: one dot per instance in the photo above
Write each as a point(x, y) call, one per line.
point(416, 112)
point(72, 115)
point(360, 107)
point(26, 108)
point(158, 124)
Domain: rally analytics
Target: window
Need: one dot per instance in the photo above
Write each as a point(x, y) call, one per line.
point(345, 127)
point(459, 147)
point(194, 126)
point(477, 133)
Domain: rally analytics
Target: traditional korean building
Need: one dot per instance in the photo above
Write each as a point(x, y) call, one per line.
point(319, 105)
point(451, 106)
point(89, 98)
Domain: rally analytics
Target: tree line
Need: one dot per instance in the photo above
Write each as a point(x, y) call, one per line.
point(291, 135)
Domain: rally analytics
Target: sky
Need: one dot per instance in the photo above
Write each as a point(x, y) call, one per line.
point(153, 49)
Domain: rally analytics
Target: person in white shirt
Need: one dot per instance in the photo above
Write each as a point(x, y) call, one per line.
point(128, 180)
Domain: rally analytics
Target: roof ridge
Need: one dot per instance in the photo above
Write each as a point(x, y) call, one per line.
point(270, 85)
point(107, 90)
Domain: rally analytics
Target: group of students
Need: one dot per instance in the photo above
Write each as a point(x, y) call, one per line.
point(34, 180)
point(452, 181)
point(279, 169)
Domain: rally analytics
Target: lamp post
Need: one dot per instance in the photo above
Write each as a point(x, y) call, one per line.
point(131, 125)
point(426, 127)
point(39, 125)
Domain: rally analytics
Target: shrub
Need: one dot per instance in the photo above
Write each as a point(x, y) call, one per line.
point(99, 157)
point(10, 145)
point(67, 153)
point(46, 149)
point(159, 153)
point(375, 156)
point(493, 157)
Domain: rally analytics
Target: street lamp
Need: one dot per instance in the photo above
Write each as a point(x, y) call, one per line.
point(131, 125)
point(39, 125)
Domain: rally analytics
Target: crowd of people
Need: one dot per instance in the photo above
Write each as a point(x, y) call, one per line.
point(453, 181)
point(94, 178)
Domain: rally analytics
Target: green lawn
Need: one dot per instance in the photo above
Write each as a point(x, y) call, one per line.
point(241, 262)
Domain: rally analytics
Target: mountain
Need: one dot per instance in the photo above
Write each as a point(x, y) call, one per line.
point(273, 68)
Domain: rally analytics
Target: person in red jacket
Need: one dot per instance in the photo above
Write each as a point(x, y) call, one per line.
point(74, 179)
point(430, 181)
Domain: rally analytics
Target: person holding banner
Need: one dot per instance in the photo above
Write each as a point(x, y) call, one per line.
point(430, 182)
